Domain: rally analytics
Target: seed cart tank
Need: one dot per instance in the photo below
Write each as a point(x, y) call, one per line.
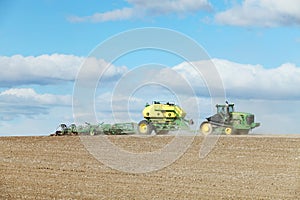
point(162, 118)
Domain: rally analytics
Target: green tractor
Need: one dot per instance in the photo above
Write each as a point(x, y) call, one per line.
point(63, 129)
point(227, 121)
point(162, 118)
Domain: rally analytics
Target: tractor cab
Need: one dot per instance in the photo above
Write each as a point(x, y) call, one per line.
point(223, 115)
point(225, 109)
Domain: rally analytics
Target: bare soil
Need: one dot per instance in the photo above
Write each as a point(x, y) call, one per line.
point(239, 167)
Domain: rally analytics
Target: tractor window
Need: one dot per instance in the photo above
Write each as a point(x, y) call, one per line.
point(231, 109)
point(221, 110)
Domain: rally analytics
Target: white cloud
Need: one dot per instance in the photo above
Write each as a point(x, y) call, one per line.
point(251, 81)
point(255, 81)
point(94, 68)
point(265, 13)
point(30, 96)
point(171, 6)
point(44, 69)
point(48, 69)
point(141, 8)
point(115, 15)
point(26, 102)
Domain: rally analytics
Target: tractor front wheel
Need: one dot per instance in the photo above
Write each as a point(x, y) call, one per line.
point(145, 128)
point(206, 128)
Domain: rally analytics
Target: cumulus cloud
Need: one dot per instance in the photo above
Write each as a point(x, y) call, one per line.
point(114, 15)
point(142, 8)
point(94, 68)
point(48, 69)
point(27, 102)
point(251, 81)
point(264, 13)
point(171, 6)
point(44, 69)
point(29, 96)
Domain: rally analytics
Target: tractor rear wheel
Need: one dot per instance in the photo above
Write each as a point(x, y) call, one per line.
point(145, 128)
point(206, 128)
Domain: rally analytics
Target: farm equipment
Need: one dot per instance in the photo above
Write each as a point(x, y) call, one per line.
point(63, 129)
point(88, 129)
point(96, 129)
point(123, 128)
point(107, 129)
point(227, 121)
point(162, 118)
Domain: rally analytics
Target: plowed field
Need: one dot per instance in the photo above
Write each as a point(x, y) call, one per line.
point(239, 167)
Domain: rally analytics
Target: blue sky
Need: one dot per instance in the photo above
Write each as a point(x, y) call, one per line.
point(43, 43)
point(33, 28)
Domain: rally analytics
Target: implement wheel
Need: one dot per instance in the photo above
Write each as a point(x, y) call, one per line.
point(145, 128)
point(206, 128)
